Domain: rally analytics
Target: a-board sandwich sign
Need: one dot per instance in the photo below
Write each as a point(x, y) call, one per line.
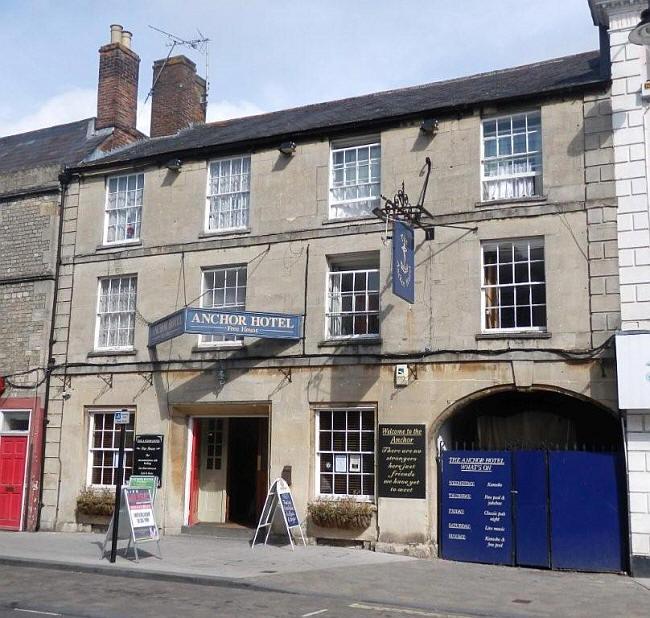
point(140, 508)
point(145, 482)
point(402, 461)
point(279, 495)
point(148, 456)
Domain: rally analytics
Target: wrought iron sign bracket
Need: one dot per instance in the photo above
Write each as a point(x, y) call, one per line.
point(286, 373)
point(108, 380)
point(414, 215)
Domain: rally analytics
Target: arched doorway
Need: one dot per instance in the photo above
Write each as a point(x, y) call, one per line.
point(532, 477)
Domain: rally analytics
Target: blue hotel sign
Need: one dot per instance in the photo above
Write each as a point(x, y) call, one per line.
point(403, 262)
point(220, 322)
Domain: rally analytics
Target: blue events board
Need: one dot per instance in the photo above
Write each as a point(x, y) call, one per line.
point(476, 521)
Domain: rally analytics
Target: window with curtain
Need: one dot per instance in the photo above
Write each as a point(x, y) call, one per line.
point(116, 313)
point(228, 193)
point(514, 286)
point(352, 303)
point(511, 161)
point(123, 208)
point(354, 180)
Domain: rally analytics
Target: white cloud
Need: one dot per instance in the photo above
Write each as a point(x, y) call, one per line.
point(79, 103)
point(69, 106)
point(224, 110)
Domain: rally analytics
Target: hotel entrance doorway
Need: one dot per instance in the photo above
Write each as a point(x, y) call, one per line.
point(229, 469)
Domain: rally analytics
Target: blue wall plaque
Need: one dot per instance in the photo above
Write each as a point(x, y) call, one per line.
point(403, 262)
point(477, 506)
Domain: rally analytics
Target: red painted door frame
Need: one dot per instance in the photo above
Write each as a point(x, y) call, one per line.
point(194, 472)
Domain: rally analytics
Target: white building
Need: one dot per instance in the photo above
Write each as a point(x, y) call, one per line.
point(630, 102)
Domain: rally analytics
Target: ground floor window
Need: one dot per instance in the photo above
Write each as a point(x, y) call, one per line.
point(104, 443)
point(346, 452)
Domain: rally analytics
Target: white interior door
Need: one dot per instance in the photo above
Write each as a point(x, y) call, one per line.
point(212, 473)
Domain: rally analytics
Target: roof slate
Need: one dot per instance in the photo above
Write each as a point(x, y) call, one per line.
point(67, 144)
point(561, 74)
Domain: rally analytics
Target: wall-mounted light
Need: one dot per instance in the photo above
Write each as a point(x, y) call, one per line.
point(222, 377)
point(640, 35)
point(287, 148)
point(174, 165)
point(429, 126)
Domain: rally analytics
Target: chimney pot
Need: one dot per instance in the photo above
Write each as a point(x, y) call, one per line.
point(116, 33)
point(126, 38)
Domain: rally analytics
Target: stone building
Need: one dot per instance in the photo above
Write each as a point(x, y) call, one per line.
point(629, 101)
point(32, 190)
point(229, 225)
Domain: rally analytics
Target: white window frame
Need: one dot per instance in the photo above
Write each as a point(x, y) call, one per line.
point(330, 315)
point(138, 222)
point(537, 175)
point(334, 205)
point(4, 412)
point(98, 313)
point(208, 195)
point(318, 452)
point(115, 449)
point(229, 341)
point(532, 242)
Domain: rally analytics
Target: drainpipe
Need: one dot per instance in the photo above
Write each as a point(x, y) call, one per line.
point(64, 180)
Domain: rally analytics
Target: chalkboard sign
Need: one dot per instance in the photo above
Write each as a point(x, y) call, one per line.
point(286, 501)
point(402, 461)
point(148, 456)
point(476, 506)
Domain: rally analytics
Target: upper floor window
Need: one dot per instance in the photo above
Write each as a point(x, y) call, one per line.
point(228, 194)
point(123, 208)
point(116, 313)
point(354, 180)
point(512, 156)
point(223, 288)
point(352, 302)
point(104, 443)
point(514, 287)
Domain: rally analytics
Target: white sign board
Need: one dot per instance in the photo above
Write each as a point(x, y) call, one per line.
point(279, 495)
point(122, 417)
point(633, 369)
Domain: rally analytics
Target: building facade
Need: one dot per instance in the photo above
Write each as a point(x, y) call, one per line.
point(507, 345)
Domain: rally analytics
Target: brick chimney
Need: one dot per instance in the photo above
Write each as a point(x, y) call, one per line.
point(178, 96)
point(117, 92)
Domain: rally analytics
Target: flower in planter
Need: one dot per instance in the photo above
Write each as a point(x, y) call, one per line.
point(346, 513)
point(96, 502)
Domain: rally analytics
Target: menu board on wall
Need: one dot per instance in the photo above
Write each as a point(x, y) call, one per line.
point(402, 461)
point(476, 506)
point(148, 456)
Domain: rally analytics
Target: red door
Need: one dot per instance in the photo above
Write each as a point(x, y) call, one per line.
point(12, 476)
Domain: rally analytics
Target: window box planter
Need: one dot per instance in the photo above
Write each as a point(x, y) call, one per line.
point(95, 504)
point(343, 513)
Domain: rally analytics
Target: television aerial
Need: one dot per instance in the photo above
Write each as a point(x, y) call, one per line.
point(200, 45)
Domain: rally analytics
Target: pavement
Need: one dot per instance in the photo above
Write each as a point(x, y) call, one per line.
point(410, 586)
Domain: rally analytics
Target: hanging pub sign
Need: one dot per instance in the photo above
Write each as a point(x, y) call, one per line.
point(224, 322)
point(148, 456)
point(403, 261)
point(402, 461)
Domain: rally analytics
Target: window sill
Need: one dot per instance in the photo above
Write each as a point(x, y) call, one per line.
point(538, 199)
point(218, 347)
point(102, 353)
point(120, 245)
point(528, 334)
point(364, 219)
point(335, 343)
point(230, 232)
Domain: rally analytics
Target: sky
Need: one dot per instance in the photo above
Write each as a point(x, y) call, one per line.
point(266, 55)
